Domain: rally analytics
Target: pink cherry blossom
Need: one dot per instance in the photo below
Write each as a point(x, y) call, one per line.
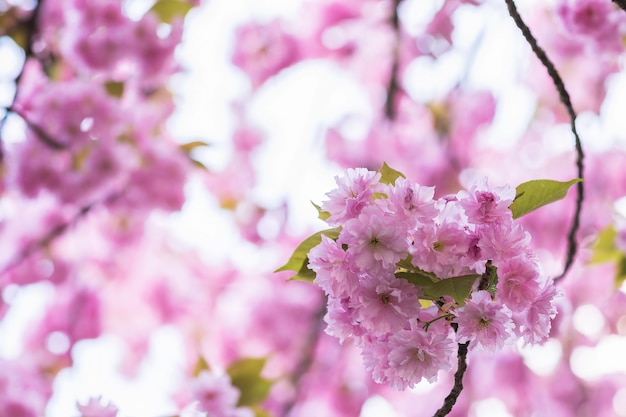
point(354, 192)
point(486, 324)
point(415, 354)
point(385, 303)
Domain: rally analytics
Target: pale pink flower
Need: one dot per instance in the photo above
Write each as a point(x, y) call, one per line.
point(484, 322)
point(215, 394)
point(535, 328)
point(375, 239)
point(340, 319)
point(412, 202)
point(262, 50)
point(597, 19)
point(354, 191)
point(441, 248)
point(386, 303)
point(483, 204)
point(333, 267)
point(518, 283)
point(415, 354)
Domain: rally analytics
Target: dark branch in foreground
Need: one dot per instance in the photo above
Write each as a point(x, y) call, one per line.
point(450, 400)
point(572, 244)
point(621, 4)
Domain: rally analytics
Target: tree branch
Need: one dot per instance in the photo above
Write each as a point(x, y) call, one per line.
point(621, 4)
point(457, 388)
point(572, 244)
point(393, 85)
point(30, 26)
point(306, 360)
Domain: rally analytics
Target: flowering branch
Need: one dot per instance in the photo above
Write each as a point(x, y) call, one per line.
point(458, 382)
point(565, 99)
point(392, 86)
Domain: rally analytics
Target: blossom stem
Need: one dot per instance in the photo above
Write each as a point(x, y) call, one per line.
point(564, 96)
point(445, 316)
point(450, 400)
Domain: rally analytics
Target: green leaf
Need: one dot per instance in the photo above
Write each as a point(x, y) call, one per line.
point(417, 278)
point(455, 287)
point(299, 260)
point(604, 249)
point(245, 374)
point(114, 88)
point(620, 274)
point(167, 10)
point(321, 214)
point(537, 193)
point(190, 146)
point(389, 175)
point(260, 412)
point(435, 288)
point(201, 365)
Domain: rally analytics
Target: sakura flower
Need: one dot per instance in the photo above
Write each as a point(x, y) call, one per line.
point(340, 319)
point(518, 283)
point(412, 202)
point(376, 240)
point(485, 323)
point(416, 354)
point(482, 204)
point(596, 19)
point(386, 303)
point(215, 394)
point(263, 50)
point(354, 191)
point(538, 318)
point(335, 273)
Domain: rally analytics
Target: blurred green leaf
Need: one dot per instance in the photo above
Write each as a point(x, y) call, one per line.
point(201, 365)
point(620, 273)
point(299, 259)
point(604, 249)
point(260, 412)
point(389, 175)
point(537, 193)
point(167, 10)
point(245, 374)
point(114, 88)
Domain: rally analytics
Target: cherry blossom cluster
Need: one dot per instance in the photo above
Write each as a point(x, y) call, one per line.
point(395, 273)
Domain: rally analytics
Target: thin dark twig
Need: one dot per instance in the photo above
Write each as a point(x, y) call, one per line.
point(621, 4)
point(450, 400)
point(41, 134)
point(56, 232)
point(394, 85)
point(30, 25)
point(306, 360)
point(565, 99)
